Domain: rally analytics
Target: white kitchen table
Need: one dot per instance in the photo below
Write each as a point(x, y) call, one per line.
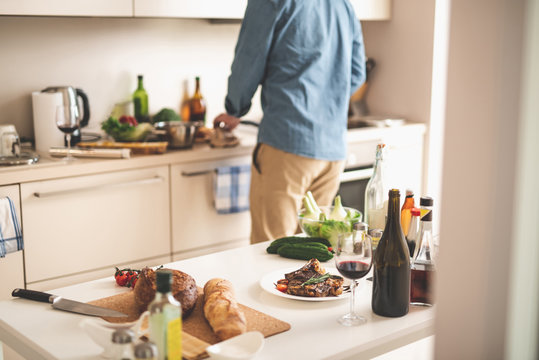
point(37, 331)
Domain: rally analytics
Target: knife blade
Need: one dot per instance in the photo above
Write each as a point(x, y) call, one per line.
point(60, 303)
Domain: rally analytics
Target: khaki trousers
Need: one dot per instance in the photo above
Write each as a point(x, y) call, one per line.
point(279, 180)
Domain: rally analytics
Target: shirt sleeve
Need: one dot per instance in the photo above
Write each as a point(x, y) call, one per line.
point(252, 49)
point(359, 70)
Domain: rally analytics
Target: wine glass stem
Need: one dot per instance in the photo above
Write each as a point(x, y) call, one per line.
point(68, 139)
point(353, 297)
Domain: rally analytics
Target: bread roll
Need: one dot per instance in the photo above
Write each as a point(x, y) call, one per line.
point(221, 309)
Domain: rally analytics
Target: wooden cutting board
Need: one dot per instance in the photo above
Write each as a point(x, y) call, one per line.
point(144, 148)
point(197, 333)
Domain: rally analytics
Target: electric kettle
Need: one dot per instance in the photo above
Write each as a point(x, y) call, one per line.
point(70, 97)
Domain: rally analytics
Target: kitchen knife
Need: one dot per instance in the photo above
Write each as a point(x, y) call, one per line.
point(67, 305)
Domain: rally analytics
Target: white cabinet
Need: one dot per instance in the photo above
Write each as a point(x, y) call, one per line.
point(67, 7)
point(11, 266)
point(204, 9)
point(196, 225)
point(372, 9)
point(89, 223)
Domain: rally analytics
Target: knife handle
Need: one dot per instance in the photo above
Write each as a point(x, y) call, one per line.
point(32, 295)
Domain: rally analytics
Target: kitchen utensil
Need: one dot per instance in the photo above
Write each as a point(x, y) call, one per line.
point(10, 144)
point(244, 346)
point(68, 121)
point(144, 148)
point(178, 134)
point(67, 305)
point(44, 105)
point(92, 153)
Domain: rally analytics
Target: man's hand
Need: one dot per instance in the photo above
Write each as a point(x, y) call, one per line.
point(226, 121)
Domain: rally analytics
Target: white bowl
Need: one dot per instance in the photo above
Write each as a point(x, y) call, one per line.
point(244, 346)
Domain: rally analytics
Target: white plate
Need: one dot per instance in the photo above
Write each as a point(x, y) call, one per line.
point(268, 283)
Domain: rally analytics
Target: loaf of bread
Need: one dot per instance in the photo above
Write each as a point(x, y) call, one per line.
point(221, 309)
point(183, 288)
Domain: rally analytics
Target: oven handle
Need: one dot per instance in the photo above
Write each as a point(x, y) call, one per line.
point(355, 175)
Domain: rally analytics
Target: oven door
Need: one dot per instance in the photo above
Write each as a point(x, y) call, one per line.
point(353, 184)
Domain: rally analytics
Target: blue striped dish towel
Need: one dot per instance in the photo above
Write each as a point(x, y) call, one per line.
point(231, 189)
point(10, 231)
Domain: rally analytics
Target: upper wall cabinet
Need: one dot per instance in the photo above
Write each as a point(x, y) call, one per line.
point(67, 7)
point(202, 9)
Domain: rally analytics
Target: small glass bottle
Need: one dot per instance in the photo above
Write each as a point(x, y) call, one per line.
point(146, 351)
point(413, 232)
point(122, 340)
point(406, 211)
point(140, 102)
point(166, 319)
point(197, 104)
point(423, 266)
point(375, 192)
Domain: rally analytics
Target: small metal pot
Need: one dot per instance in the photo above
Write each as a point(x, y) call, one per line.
point(179, 134)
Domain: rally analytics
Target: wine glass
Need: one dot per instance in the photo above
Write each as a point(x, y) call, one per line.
point(68, 120)
point(353, 259)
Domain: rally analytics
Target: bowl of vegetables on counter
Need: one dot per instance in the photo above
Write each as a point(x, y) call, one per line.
point(126, 129)
point(327, 221)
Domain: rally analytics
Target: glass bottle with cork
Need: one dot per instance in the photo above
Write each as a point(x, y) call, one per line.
point(391, 275)
point(375, 192)
point(423, 265)
point(197, 104)
point(165, 321)
point(140, 102)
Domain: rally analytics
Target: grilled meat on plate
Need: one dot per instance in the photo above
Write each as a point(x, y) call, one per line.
point(319, 284)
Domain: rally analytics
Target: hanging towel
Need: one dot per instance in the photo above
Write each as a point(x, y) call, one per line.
point(231, 189)
point(10, 231)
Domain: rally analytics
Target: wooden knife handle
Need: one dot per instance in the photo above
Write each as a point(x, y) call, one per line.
point(32, 295)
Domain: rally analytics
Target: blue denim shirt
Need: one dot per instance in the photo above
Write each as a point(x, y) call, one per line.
point(309, 57)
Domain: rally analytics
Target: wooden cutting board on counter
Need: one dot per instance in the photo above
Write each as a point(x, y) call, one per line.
point(141, 148)
point(197, 333)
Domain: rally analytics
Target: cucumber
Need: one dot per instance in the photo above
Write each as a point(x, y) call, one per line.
point(276, 244)
point(305, 252)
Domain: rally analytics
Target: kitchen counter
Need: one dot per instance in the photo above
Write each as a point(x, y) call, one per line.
point(52, 168)
point(39, 332)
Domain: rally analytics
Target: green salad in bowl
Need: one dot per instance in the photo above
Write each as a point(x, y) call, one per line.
point(126, 129)
point(327, 221)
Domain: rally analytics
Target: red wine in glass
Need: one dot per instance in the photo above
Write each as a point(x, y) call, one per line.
point(353, 269)
point(67, 129)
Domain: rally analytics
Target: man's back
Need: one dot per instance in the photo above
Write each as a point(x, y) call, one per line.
point(308, 56)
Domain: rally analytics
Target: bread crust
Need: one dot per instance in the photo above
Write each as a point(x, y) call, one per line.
point(184, 289)
point(222, 310)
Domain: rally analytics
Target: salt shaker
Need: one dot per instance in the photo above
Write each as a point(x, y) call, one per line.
point(122, 340)
point(146, 351)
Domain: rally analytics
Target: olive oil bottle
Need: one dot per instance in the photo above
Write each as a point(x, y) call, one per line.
point(140, 102)
point(391, 280)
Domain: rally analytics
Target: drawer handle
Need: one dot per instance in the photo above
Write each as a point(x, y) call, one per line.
point(152, 180)
point(197, 173)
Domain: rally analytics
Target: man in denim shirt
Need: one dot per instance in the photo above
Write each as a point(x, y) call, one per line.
point(309, 57)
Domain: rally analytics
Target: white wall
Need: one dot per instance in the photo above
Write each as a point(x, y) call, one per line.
point(103, 56)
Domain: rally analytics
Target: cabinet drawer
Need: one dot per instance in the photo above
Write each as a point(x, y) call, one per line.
point(83, 223)
point(195, 222)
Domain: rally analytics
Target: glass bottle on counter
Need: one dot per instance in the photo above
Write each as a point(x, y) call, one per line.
point(413, 232)
point(391, 275)
point(423, 265)
point(197, 104)
point(165, 321)
point(140, 102)
point(375, 204)
point(406, 211)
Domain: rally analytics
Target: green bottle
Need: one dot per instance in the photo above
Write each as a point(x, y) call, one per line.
point(140, 100)
point(165, 321)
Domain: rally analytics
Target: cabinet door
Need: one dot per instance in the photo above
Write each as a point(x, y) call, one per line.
point(195, 222)
point(205, 9)
point(11, 266)
point(67, 7)
point(84, 223)
point(372, 9)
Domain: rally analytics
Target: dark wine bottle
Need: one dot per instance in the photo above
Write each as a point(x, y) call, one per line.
point(391, 280)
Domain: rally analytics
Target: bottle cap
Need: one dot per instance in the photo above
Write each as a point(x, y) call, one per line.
point(416, 212)
point(409, 192)
point(139, 77)
point(360, 226)
point(122, 336)
point(146, 350)
point(426, 201)
point(163, 280)
point(394, 192)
